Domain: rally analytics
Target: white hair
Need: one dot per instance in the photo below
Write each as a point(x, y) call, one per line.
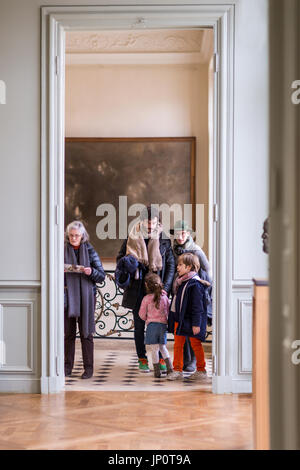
point(77, 225)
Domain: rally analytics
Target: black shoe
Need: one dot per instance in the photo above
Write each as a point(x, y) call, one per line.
point(189, 367)
point(87, 374)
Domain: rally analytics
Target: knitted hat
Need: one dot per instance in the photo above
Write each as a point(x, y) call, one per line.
point(182, 226)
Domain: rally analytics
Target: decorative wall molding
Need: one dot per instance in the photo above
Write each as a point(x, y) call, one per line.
point(139, 41)
point(163, 47)
point(29, 340)
point(242, 284)
point(19, 337)
point(20, 284)
point(245, 343)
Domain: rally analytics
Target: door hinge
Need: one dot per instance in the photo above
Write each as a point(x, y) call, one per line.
point(57, 65)
point(216, 213)
point(216, 62)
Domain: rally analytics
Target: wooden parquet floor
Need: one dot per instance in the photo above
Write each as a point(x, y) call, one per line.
point(187, 420)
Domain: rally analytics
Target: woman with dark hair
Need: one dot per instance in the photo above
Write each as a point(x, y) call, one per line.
point(83, 269)
point(146, 249)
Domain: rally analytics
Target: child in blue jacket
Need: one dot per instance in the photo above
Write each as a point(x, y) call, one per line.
point(190, 315)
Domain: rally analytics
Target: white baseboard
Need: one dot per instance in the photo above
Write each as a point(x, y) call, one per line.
point(21, 385)
point(241, 385)
point(221, 384)
point(227, 384)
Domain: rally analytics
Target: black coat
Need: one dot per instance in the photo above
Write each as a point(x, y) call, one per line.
point(192, 310)
point(98, 274)
point(134, 293)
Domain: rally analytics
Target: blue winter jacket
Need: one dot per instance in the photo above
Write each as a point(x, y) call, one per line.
point(191, 311)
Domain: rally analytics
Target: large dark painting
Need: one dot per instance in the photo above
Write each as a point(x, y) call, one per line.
point(148, 171)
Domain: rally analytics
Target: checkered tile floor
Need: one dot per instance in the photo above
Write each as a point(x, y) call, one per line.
point(116, 369)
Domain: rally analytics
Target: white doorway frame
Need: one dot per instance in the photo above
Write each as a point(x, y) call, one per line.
point(57, 20)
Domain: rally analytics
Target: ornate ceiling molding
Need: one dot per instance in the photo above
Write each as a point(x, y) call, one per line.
point(141, 41)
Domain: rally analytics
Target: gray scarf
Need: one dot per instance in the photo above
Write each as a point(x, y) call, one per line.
point(81, 300)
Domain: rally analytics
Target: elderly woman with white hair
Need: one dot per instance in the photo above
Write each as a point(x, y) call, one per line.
point(80, 295)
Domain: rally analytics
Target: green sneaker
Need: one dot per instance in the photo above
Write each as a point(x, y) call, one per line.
point(143, 365)
point(162, 365)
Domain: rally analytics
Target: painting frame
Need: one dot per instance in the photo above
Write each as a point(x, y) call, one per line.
point(141, 141)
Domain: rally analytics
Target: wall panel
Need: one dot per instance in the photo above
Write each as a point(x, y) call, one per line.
point(19, 343)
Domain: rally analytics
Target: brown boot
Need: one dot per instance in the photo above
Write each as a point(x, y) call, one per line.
point(157, 373)
point(169, 365)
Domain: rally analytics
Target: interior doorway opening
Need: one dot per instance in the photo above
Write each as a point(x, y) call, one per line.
point(154, 88)
point(55, 22)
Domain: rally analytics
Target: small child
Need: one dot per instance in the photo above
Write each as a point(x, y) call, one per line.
point(154, 311)
point(189, 307)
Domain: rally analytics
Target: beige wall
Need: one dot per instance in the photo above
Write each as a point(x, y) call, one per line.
point(142, 101)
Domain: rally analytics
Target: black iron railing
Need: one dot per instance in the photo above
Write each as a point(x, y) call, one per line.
point(111, 319)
